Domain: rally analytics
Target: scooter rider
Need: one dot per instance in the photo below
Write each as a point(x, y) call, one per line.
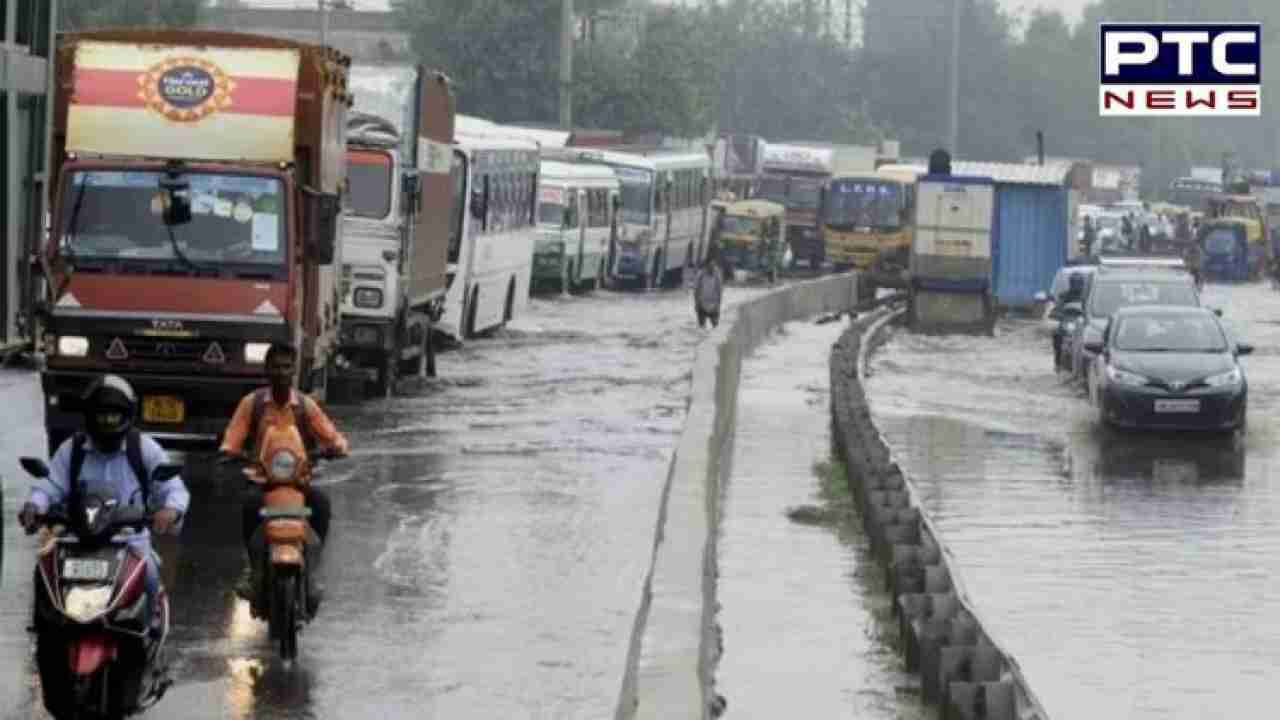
point(277, 405)
point(117, 460)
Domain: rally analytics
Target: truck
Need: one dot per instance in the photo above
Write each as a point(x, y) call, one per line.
point(949, 278)
point(395, 224)
point(736, 163)
point(196, 191)
point(794, 174)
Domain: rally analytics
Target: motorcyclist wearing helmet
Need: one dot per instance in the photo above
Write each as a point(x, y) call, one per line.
point(110, 407)
point(277, 405)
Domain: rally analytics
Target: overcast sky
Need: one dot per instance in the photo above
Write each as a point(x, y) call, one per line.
point(1070, 8)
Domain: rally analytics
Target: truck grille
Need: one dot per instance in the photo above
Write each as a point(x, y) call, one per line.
point(169, 350)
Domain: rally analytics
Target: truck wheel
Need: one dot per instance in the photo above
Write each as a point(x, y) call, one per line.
point(385, 384)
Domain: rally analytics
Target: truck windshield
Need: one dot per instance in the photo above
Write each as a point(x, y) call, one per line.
point(793, 192)
point(370, 191)
point(637, 195)
point(114, 218)
point(867, 203)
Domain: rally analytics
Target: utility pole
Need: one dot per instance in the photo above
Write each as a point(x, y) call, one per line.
point(566, 64)
point(324, 21)
point(953, 131)
point(848, 23)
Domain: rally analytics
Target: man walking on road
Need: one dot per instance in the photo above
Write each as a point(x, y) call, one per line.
point(707, 289)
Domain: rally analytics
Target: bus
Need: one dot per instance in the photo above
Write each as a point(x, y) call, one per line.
point(868, 221)
point(491, 233)
point(662, 224)
point(576, 210)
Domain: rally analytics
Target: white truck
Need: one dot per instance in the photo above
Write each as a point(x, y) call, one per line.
point(950, 268)
point(395, 223)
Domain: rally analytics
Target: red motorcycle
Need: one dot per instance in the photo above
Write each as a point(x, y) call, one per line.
point(99, 646)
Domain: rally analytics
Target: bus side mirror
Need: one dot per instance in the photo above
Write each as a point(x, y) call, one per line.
point(477, 205)
point(322, 211)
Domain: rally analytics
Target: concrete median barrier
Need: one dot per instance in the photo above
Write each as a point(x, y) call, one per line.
point(964, 674)
point(675, 643)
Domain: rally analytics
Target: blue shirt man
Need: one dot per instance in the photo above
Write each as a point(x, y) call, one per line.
point(106, 470)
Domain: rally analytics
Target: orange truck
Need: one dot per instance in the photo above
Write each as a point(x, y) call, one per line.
point(196, 188)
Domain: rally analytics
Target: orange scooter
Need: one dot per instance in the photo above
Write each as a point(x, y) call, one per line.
point(285, 540)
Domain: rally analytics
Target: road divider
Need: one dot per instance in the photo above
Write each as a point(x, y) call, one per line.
point(675, 643)
point(963, 672)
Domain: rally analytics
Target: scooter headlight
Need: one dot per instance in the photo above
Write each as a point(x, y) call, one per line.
point(283, 465)
point(83, 604)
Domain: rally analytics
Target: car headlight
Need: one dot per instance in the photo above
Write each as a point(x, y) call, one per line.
point(73, 346)
point(1229, 378)
point(283, 464)
point(1069, 326)
point(367, 297)
point(1124, 377)
point(83, 604)
point(256, 353)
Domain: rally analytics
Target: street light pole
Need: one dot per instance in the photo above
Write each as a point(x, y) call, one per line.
point(953, 130)
point(324, 21)
point(566, 64)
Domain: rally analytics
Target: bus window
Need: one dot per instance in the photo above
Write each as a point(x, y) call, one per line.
point(458, 178)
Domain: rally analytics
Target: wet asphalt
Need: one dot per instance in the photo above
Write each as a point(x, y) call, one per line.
point(491, 533)
point(1132, 574)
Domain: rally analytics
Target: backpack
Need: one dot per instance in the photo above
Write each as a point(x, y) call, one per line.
point(300, 420)
point(132, 451)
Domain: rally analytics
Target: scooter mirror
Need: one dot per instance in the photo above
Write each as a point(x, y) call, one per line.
point(34, 467)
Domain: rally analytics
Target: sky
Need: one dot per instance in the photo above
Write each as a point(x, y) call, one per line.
point(1070, 8)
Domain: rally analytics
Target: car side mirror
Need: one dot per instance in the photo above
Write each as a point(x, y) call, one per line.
point(1217, 311)
point(35, 467)
point(1093, 347)
point(321, 222)
point(165, 472)
point(1042, 296)
point(1244, 349)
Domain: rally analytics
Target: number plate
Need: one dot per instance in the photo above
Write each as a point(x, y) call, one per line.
point(163, 409)
point(85, 569)
point(1177, 406)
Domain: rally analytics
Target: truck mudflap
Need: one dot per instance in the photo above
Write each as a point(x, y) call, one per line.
point(179, 411)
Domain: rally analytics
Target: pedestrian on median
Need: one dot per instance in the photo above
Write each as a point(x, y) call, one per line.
point(707, 289)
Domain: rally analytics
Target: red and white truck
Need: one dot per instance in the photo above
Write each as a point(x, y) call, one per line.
point(196, 190)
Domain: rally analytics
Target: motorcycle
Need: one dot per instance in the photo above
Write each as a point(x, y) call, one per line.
point(100, 650)
point(285, 540)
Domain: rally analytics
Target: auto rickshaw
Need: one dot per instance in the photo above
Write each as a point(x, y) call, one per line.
point(1229, 253)
point(750, 236)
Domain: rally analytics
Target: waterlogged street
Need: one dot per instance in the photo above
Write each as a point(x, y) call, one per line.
point(491, 534)
point(1132, 575)
point(805, 618)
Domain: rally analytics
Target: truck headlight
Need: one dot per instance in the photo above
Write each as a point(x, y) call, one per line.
point(73, 346)
point(256, 353)
point(368, 298)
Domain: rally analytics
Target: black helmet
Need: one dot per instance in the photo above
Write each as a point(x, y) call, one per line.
point(104, 395)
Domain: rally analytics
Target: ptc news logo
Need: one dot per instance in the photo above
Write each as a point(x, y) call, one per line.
point(1181, 69)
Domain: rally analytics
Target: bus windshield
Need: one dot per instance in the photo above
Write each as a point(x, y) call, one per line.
point(637, 195)
point(864, 203)
point(114, 218)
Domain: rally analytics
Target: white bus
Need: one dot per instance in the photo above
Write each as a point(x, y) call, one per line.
point(576, 211)
point(491, 233)
point(663, 215)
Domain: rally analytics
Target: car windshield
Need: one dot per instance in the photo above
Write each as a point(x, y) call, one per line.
point(1108, 297)
point(1220, 242)
point(114, 218)
point(369, 175)
point(869, 203)
point(1173, 333)
point(738, 225)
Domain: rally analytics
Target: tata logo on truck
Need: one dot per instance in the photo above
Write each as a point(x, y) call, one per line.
point(1180, 69)
point(185, 89)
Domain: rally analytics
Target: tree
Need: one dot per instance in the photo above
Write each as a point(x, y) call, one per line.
point(90, 14)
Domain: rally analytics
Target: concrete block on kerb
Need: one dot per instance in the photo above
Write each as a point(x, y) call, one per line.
point(896, 534)
point(931, 637)
point(905, 578)
point(937, 579)
point(981, 701)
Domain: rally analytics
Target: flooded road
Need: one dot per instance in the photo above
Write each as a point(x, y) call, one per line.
point(490, 536)
point(1132, 575)
point(806, 622)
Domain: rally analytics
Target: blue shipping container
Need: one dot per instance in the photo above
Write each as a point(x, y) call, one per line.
point(1031, 240)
